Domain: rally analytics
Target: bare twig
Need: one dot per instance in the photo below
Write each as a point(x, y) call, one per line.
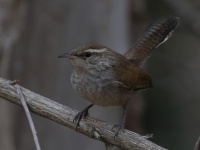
point(14, 82)
point(197, 146)
point(28, 115)
point(64, 115)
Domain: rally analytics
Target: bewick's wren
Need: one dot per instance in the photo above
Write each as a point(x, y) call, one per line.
point(107, 78)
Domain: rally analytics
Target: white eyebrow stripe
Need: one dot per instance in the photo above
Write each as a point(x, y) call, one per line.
point(96, 50)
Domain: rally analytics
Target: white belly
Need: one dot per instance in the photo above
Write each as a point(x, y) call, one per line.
point(101, 91)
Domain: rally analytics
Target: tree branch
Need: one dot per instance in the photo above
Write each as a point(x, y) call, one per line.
point(197, 145)
point(64, 115)
point(28, 115)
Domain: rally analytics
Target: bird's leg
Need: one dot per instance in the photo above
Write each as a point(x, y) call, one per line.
point(117, 128)
point(82, 114)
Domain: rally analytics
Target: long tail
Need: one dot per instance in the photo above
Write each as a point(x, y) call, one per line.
point(156, 34)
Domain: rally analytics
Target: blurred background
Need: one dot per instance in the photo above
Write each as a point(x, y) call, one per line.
point(33, 33)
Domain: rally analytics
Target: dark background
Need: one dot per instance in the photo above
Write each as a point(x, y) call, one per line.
point(33, 33)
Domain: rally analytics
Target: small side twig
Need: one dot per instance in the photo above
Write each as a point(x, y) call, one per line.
point(197, 145)
point(27, 112)
point(148, 136)
point(14, 82)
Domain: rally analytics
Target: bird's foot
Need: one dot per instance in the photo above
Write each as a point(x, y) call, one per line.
point(81, 114)
point(117, 129)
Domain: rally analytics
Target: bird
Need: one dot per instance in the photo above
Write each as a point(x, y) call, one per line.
point(107, 78)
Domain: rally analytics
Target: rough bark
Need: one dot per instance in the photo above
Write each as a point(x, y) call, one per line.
point(64, 115)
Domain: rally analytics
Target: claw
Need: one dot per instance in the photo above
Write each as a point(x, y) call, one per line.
point(80, 115)
point(117, 129)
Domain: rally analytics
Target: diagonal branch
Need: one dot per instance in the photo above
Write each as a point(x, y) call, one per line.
point(28, 115)
point(64, 115)
point(197, 145)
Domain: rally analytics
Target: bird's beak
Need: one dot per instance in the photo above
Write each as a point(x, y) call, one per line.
point(67, 55)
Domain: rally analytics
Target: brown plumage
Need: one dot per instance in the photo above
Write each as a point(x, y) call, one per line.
point(156, 34)
point(107, 78)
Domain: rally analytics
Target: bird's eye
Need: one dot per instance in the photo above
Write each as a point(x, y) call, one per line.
point(87, 54)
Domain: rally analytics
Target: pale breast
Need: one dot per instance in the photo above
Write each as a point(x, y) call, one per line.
point(99, 90)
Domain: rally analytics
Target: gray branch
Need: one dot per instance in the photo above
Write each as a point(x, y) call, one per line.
point(197, 145)
point(64, 115)
point(28, 115)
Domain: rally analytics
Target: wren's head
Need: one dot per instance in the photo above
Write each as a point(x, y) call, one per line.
point(92, 56)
